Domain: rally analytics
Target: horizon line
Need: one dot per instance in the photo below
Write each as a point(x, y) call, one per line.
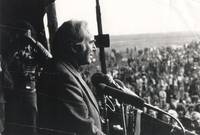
point(169, 32)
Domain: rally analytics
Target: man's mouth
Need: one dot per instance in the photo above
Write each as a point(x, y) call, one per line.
point(92, 57)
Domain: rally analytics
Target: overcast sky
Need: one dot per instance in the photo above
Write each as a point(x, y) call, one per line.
point(134, 16)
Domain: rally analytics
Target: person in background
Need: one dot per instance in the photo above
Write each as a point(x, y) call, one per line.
point(195, 116)
point(65, 102)
point(22, 64)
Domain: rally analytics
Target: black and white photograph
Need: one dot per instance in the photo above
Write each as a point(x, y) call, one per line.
point(99, 67)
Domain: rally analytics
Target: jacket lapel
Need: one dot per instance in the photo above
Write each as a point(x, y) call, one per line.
point(83, 84)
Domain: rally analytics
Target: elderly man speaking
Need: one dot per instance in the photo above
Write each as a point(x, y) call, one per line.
point(66, 103)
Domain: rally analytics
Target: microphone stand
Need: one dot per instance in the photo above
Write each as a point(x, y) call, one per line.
point(159, 110)
point(105, 115)
point(130, 99)
point(123, 119)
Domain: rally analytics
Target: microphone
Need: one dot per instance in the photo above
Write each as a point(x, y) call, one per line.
point(108, 80)
point(100, 78)
point(120, 95)
point(102, 83)
point(121, 86)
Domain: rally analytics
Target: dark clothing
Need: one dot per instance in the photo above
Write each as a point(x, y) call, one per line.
point(66, 103)
point(31, 11)
point(21, 102)
point(21, 113)
point(194, 87)
point(2, 104)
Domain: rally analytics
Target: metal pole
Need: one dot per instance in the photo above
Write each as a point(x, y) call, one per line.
point(52, 22)
point(123, 119)
point(105, 115)
point(100, 32)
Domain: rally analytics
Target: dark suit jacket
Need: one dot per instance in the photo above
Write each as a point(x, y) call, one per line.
point(66, 103)
point(2, 104)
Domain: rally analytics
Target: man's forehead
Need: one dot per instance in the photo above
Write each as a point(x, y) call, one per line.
point(86, 34)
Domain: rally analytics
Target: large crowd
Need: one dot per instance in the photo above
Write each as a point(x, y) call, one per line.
point(166, 77)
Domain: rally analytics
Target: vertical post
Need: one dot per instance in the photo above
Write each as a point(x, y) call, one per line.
point(100, 32)
point(105, 115)
point(123, 119)
point(52, 22)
